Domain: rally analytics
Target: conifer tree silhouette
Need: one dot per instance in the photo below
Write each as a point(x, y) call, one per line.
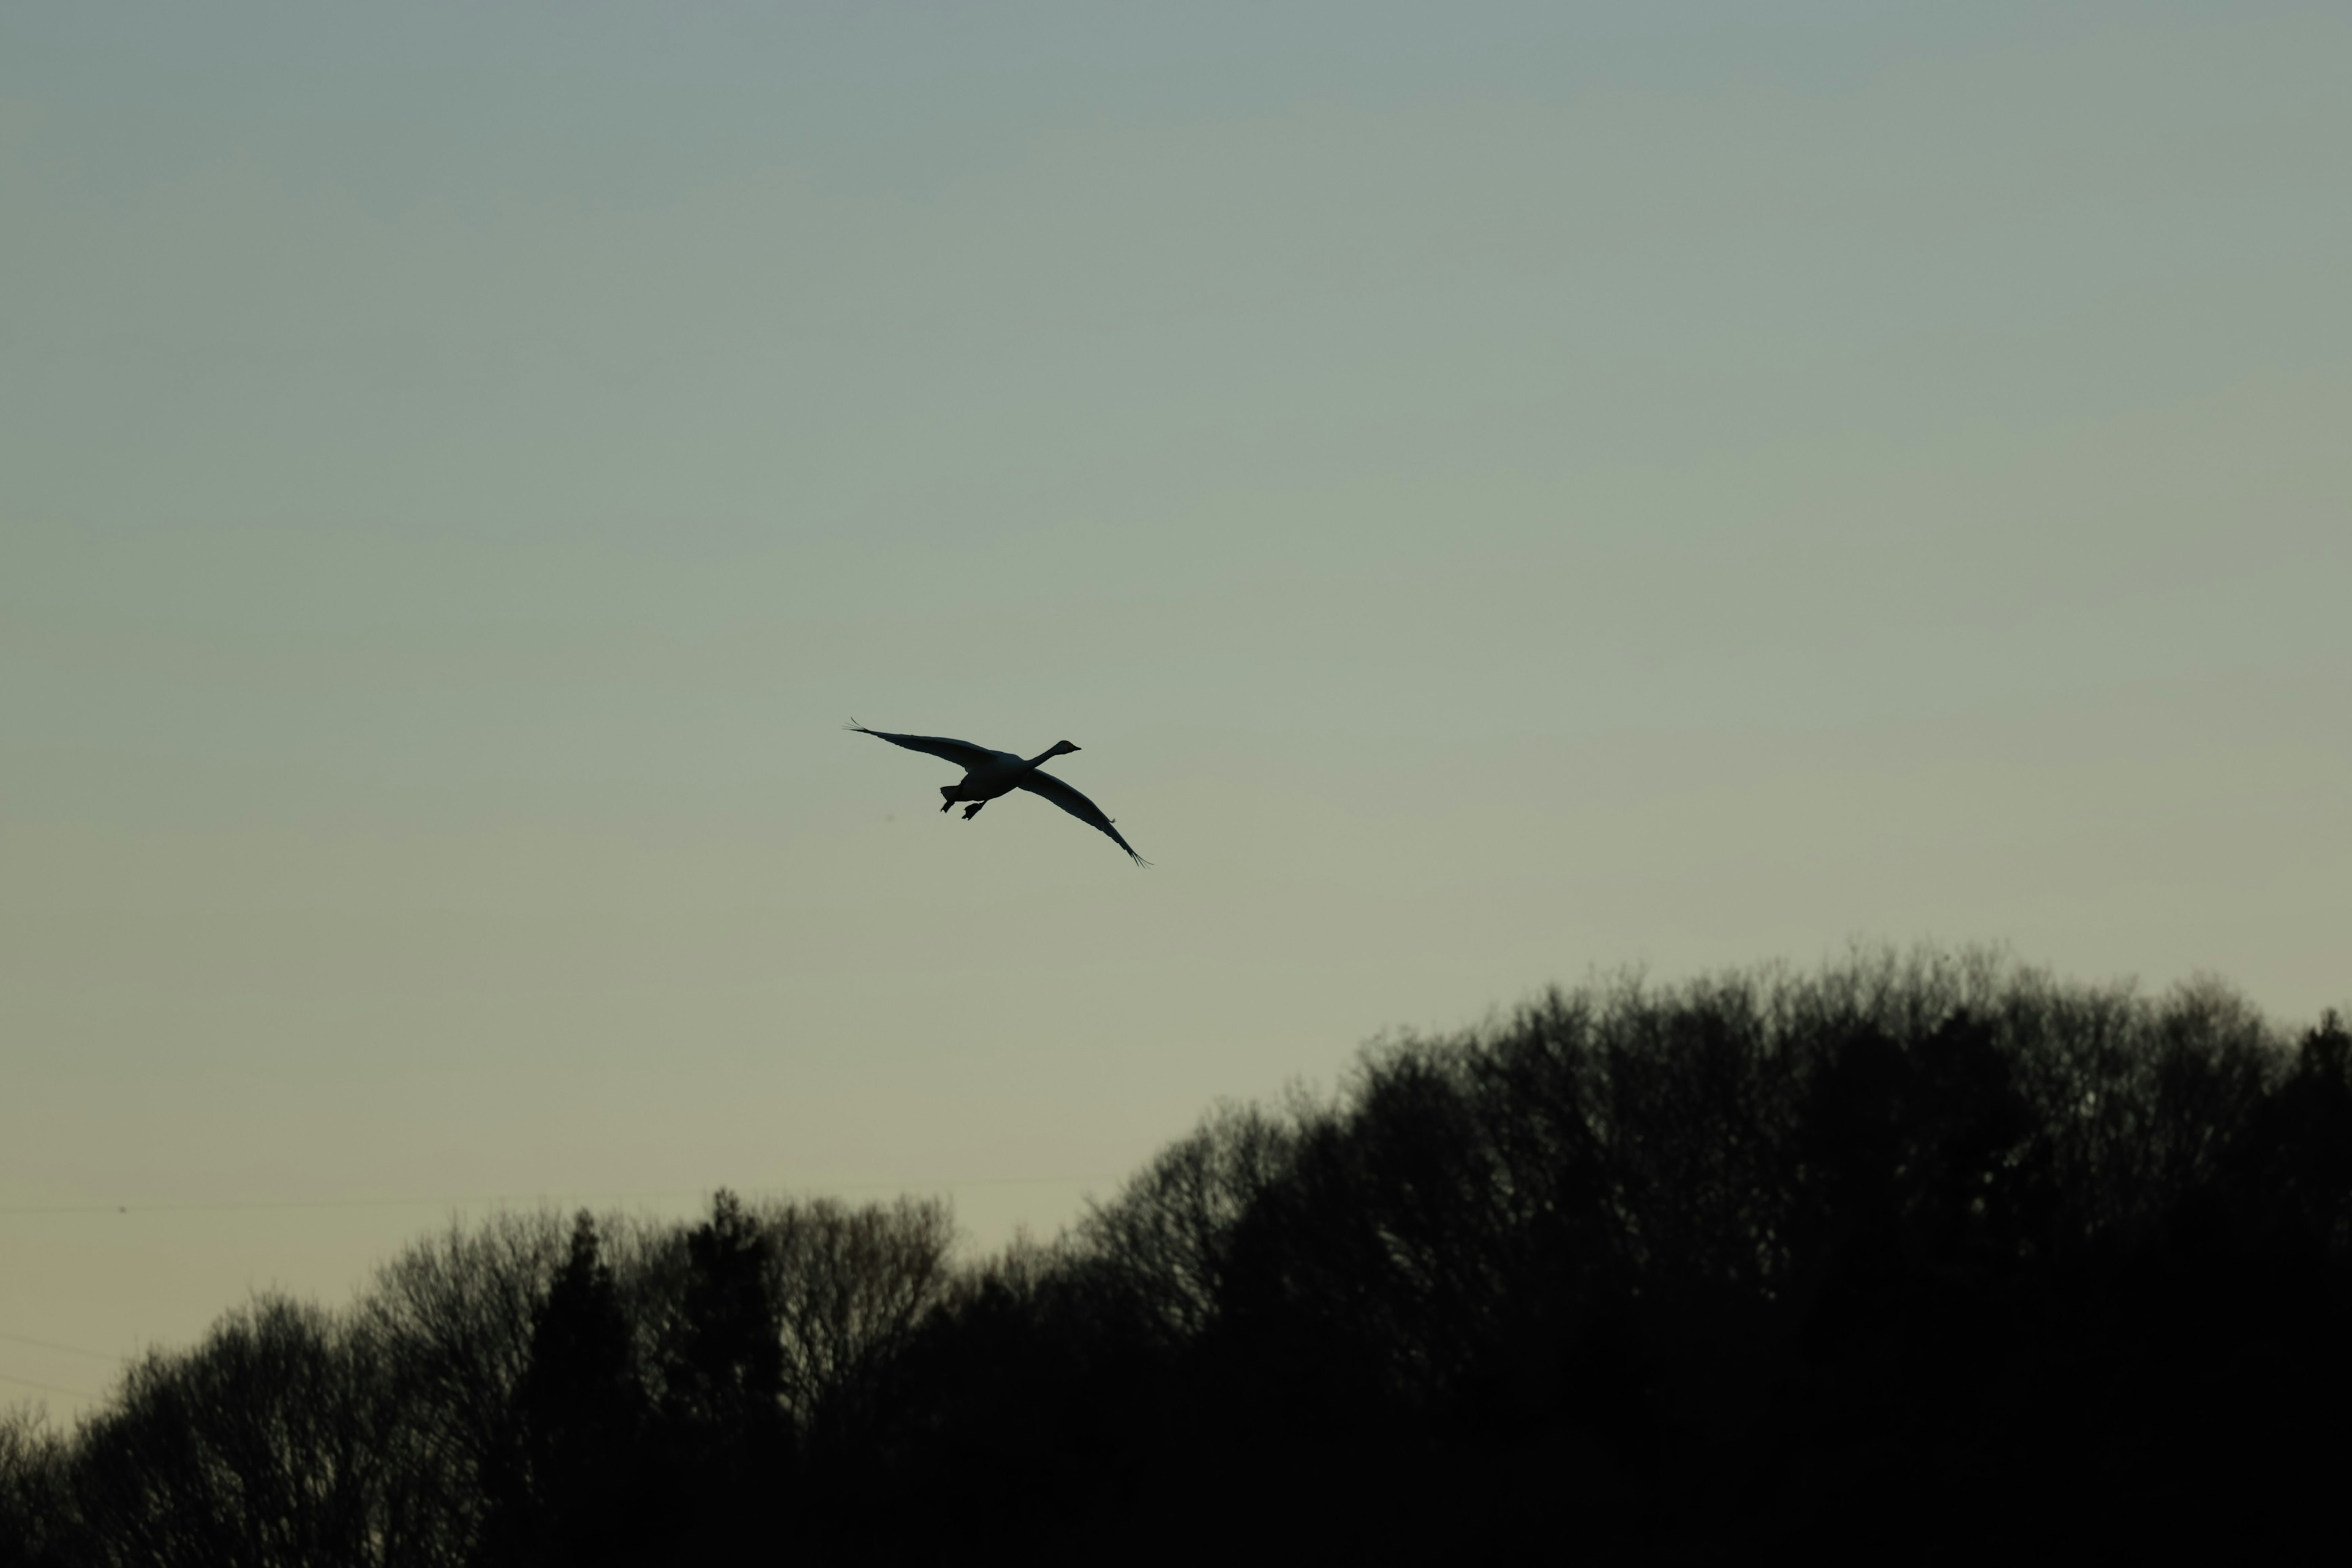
point(575, 1487)
point(730, 1443)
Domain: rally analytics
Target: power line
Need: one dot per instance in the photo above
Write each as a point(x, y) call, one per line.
point(817, 1188)
point(48, 1387)
point(70, 1350)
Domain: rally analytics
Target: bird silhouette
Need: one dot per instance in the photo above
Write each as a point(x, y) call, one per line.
point(988, 774)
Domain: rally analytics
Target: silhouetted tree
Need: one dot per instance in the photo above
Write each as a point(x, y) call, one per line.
point(730, 1443)
point(574, 1487)
point(261, 1446)
point(849, 1287)
point(37, 1506)
point(453, 1320)
point(1934, 1252)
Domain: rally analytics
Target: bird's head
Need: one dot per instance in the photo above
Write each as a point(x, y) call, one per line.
point(1062, 748)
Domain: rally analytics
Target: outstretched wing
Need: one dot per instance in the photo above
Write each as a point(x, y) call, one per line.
point(962, 753)
point(1079, 806)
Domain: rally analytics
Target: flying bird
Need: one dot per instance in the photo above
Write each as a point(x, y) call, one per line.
point(987, 775)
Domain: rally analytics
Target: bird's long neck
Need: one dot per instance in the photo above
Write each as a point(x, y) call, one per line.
point(1040, 760)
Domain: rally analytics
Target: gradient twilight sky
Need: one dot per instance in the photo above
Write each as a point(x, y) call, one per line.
point(1496, 490)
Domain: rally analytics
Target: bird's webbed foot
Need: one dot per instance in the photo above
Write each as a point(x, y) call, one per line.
point(946, 806)
point(974, 809)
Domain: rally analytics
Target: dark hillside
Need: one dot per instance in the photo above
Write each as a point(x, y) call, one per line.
point(1935, 1255)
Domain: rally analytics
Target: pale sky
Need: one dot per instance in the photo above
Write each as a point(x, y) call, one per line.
point(1498, 493)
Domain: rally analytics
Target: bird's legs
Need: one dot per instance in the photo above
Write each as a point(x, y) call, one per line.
point(974, 809)
point(948, 805)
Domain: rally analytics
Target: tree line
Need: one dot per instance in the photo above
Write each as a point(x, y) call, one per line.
point(1933, 1254)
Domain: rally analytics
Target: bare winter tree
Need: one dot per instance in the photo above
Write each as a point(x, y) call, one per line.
point(264, 1444)
point(849, 1287)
